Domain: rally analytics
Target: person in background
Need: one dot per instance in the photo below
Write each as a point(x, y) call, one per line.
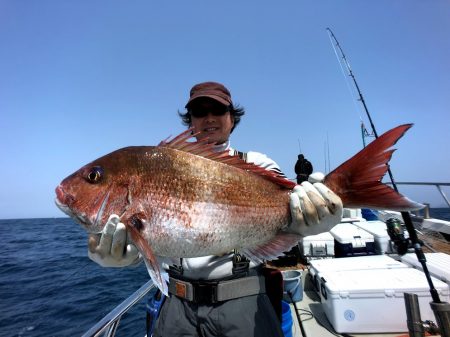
point(303, 168)
point(248, 312)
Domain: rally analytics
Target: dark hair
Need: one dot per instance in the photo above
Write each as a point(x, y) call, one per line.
point(235, 111)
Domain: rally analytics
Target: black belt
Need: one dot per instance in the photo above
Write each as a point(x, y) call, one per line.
point(217, 291)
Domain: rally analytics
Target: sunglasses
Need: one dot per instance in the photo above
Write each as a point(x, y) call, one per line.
point(200, 111)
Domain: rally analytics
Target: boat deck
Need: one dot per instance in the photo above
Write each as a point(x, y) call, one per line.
point(314, 320)
point(433, 241)
point(310, 311)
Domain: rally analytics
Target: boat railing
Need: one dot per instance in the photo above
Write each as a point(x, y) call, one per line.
point(438, 186)
point(107, 326)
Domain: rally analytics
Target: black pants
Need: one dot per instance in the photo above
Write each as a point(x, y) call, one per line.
point(241, 317)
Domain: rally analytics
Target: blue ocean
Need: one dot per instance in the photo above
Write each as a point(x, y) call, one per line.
point(49, 287)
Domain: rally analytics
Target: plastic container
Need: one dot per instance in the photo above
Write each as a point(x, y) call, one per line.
point(379, 231)
point(369, 214)
point(318, 267)
point(318, 246)
point(438, 264)
point(372, 301)
point(286, 319)
point(350, 240)
point(352, 214)
point(292, 285)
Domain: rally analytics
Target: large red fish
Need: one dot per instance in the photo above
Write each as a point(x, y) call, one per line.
point(182, 199)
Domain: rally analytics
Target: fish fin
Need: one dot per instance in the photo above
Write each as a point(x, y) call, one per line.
point(276, 247)
point(358, 181)
point(160, 279)
point(204, 149)
point(154, 268)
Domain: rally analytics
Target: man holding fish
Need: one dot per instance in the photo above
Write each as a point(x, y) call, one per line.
point(220, 295)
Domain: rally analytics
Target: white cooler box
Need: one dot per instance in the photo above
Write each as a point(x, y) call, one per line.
point(438, 264)
point(317, 246)
point(369, 301)
point(318, 267)
point(350, 240)
point(379, 231)
point(352, 214)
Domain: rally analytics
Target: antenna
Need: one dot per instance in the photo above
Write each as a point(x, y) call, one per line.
point(365, 134)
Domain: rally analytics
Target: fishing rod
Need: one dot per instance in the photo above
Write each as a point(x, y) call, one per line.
point(406, 216)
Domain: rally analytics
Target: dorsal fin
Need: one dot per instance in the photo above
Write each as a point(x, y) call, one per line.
point(206, 150)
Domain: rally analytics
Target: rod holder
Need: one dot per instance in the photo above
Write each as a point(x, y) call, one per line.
point(442, 313)
point(414, 322)
point(426, 211)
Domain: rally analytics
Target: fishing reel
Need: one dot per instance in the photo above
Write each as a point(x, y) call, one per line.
point(397, 235)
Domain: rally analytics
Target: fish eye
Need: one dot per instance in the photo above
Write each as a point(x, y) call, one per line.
point(95, 175)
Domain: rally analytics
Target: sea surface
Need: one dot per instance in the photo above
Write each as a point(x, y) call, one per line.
point(49, 287)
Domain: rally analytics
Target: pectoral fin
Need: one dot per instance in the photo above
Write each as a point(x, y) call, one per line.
point(158, 276)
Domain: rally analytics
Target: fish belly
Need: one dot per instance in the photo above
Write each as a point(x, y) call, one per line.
point(203, 228)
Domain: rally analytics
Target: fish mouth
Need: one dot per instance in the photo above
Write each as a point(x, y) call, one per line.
point(92, 225)
point(63, 202)
point(63, 207)
point(60, 194)
point(79, 218)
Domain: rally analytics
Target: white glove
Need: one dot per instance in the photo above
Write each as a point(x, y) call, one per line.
point(314, 207)
point(111, 248)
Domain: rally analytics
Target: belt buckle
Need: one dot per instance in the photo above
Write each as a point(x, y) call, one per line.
point(205, 292)
point(180, 289)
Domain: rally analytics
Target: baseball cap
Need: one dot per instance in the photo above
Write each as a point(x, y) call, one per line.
point(212, 90)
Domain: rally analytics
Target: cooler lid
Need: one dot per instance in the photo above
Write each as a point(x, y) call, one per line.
point(388, 281)
point(357, 263)
point(347, 232)
point(376, 228)
point(438, 264)
point(326, 236)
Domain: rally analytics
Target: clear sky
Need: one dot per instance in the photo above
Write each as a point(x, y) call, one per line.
point(79, 79)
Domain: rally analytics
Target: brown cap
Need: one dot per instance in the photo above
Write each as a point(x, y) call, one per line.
point(212, 90)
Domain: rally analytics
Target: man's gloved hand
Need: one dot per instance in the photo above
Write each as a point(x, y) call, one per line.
point(314, 207)
point(111, 248)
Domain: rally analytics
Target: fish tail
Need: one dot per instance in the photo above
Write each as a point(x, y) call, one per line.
point(358, 181)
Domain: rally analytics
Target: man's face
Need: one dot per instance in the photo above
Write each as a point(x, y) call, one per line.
point(211, 119)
